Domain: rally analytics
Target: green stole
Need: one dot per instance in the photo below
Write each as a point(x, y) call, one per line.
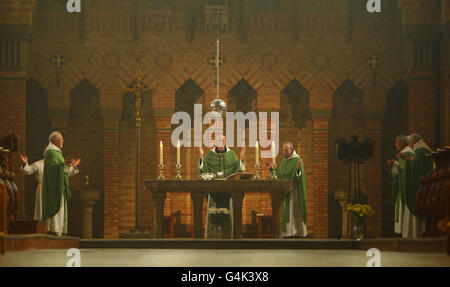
point(421, 165)
point(226, 162)
point(288, 170)
point(55, 182)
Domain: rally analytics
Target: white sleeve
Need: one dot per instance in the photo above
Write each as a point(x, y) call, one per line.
point(28, 169)
point(73, 171)
point(241, 166)
point(394, 168)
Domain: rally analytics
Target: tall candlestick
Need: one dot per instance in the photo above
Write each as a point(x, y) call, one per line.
point(257, 152)
point(161, 153)
point(178, 153)
point(178, 166)
point(273, 153)
point(257, 176)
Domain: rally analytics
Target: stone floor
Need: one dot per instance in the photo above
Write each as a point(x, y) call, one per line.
point(220, 258)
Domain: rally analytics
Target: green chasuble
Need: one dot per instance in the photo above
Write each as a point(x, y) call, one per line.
point(417, 167)
point(288, 170)
point(226, 162)
point(399, 182)
point(55, 182)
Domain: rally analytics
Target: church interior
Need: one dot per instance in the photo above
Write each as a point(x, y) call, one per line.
point(110, 76)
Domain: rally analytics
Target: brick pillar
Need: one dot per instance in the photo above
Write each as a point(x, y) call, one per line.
point(421, 27)
point(371, 171)
point(112, 173)
point(317, 199)
point(321, 102)
point(12, 121)
point(15, 33)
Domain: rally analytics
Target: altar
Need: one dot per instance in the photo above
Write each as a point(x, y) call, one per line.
point(199, 190)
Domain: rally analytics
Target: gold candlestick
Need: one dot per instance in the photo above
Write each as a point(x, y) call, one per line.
point(178, 171)
point(257, 175)
point(273, 175)
point(161, 175)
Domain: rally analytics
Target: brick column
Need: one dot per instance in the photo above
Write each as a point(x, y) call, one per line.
point(317, 200)
point(421, 27)
point(371, 171)
point(112, 173)
point(321, 102)
point(15, 33)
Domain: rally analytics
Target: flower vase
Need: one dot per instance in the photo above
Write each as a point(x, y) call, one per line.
point(358, 231)
point(217, 232)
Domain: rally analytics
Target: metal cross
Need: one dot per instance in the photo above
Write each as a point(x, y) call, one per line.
point(374, 62)
point(58, 61)
point(138, 89)
point(213, 61)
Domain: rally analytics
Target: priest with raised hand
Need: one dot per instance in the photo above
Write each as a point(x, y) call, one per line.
point(55, 185)
point(399, 182)
point(37, 169)
point(293, 212)
point(220, 162)
point(416, 166)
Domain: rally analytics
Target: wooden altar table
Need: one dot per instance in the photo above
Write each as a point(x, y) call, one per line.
point(200, 188)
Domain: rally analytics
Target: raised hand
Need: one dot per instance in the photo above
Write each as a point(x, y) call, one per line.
point(24, 158)
point(75, 163)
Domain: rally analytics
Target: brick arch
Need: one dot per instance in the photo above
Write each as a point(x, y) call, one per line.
point(296, 98)
point(242, 96)
point(85, 140)
point(347, 119)
point(395, 122)
point(37, 129)
point(187, 95)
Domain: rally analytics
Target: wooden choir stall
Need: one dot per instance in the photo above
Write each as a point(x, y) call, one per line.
point(9, 193)
point(433, 197)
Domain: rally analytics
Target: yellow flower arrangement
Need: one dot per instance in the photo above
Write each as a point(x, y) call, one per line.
point(359, 212)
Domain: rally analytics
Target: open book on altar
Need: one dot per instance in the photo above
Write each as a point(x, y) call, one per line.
point(240, 175)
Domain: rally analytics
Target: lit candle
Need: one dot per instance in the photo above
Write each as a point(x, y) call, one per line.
point(178, 153)
point(257, 152)
point(273, 153)
point(160, 153)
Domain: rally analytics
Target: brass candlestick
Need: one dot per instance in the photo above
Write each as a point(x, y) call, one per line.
point(161, 175)
point(273, 174)
point(257, 175)
point(178, 171)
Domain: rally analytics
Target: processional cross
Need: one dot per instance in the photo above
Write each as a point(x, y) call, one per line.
point(138, 89)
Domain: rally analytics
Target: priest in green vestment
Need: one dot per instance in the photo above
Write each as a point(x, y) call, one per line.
point(221, 162)
point(293, 217)
point(399, 180)
point(55, 186)
point(416, 166)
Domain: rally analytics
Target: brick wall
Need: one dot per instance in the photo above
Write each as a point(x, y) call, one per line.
point(321, 58)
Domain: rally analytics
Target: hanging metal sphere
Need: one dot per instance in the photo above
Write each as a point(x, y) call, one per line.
point(218, 106)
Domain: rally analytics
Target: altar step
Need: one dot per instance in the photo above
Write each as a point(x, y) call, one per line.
point(383, 244)
point(20, 242)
